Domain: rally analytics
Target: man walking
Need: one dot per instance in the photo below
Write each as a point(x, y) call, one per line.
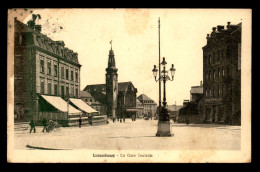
point(80, 120)
point(44, 123)
point(32, 124)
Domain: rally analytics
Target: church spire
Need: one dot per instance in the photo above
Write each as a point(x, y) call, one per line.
point(111, 57)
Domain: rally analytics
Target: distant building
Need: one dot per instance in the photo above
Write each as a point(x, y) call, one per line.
point(45, 73)
point(126, 98)
point(185, 102)
point(91, 101)
point(140, 108)
point(149, 105)
point(196, 92)
point(222, 75)
point(174, 110)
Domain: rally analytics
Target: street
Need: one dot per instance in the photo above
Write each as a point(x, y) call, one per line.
point(133, 135)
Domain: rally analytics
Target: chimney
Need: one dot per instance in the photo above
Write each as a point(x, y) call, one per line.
point(38, 28)
point(220, 28)
point(214, 29)
point(208, 36)
point(228, 25)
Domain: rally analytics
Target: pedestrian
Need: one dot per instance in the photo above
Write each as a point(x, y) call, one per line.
point(32, 124)
point(120, 120)
point(44, 123)
point(80, 120)
point(187, 121)
point(124, 120)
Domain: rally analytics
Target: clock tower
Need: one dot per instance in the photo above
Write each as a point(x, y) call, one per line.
point(111, 85)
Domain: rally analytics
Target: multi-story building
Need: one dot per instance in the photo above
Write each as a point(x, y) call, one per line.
point(149, 105)
point(222, 75)
point(94, 103)
point(43, 69)
point(196, 92)
point(140, 108)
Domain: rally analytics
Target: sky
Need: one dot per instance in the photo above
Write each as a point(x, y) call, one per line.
point(134, 35)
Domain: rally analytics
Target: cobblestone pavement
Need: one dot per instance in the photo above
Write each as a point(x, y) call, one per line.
point(138, 135)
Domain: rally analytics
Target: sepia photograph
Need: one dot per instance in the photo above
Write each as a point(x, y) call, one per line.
point(129, 85)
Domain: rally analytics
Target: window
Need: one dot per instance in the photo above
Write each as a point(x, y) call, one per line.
point(67, 73)
point(209, 75)
point(42, 65)
point(42, 86)
point(222, 88)
point(55, 89)
point(218, 91)
point(223, 71)
point(228, 71)
point(90, 100)
point(67, 91)
point(76, 76)
point(206, 75)
point(72, 91)
point(76, 92)
point(72, 76)
point(49, 67)
point(214, 74)
point(62, 71)
point(206, 93)
point(213, 92)
point(228, 53)
point(222, 53)
point(49, 87)
point(213, 58)
point(62, 91)
point(218, 55)
point(219, 73)
point(55, 70)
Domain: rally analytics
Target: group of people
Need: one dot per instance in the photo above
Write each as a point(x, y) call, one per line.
point(47, 126)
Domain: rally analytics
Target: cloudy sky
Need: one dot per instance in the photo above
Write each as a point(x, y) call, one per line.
point(135, 42)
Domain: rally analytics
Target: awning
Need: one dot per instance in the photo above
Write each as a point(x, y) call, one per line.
point(132, 110)
point(82, 105)
point(60, 104)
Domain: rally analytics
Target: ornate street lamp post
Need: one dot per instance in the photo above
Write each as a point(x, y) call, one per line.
point(164, 128)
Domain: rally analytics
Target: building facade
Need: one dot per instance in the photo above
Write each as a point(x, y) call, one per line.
point(196, 92)
point(126, 98)
point(149, 105)
point(118, 98)
point(91, 101)
point(140, 107)
point(222, 75)
point(41, 67)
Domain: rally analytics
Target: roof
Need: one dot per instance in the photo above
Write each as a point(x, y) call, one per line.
point(60, 104)
point(84, 94)
point(99, 96)
point(102, 87)
point(138, 102)
point(82, 105)
point(36, 38)
point(143, 97)
point(196, 90)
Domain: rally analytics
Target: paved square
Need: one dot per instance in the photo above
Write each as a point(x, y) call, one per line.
point(134, 135)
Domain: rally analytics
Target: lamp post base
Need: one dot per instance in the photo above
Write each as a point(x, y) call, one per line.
point(164, 129)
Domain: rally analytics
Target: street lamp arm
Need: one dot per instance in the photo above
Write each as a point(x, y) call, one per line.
point(159, 79)
point(169, 79)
